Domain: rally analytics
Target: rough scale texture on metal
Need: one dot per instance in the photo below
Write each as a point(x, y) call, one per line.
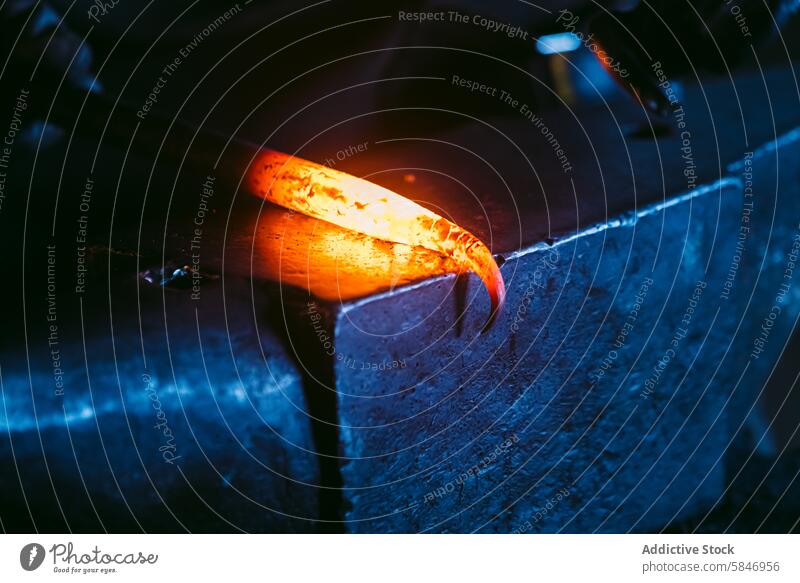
point(579, 395)
point(580, 389)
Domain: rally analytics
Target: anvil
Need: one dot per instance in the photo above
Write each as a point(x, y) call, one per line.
point(607, 395)
point(218, 363)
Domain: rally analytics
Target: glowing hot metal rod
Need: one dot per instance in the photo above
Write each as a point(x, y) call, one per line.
point(356, 204)
point(290, 182)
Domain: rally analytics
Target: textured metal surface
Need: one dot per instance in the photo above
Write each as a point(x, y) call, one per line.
point(151, 411)
point(766, 294)
point(560, 396)
point(166, 407)
point(545, 424)
point(376, 382)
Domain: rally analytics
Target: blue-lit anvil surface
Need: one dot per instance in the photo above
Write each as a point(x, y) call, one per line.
point(179, 354)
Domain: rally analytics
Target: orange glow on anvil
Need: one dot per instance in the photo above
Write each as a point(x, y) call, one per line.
point(370, 209)
point(333, 263)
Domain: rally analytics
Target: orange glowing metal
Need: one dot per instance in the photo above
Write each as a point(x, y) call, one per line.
point(359, 205)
